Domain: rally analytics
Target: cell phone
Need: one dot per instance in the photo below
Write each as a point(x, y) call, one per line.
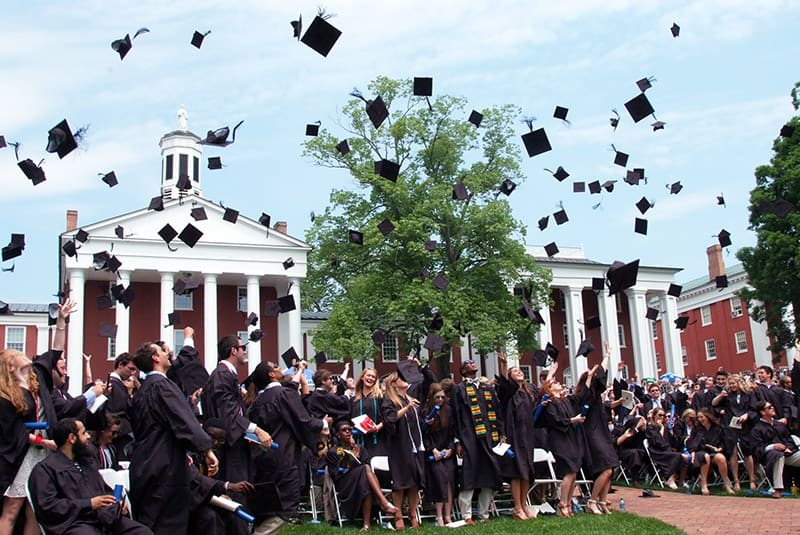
point(108, 382)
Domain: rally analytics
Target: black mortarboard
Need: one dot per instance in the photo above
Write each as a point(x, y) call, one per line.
point(272, 308)
point(199, 214)
point(122, 46)
point(620, 158)
point(424, 272)
point(460, 192)
point(433, 343)
point(475, 117)
point(431, 245)
point(167, 233)
point(639, 107)
point(116, 291)
point(215, 162)
point(643, 205)
point(110, 179)
point(3, 142)
point(526, 311)
point(721, 281)
point(540, 358)
point(560, 113)
point(681, 322)
point(252, 319)
point(598, 284)
point(551, 249)
point(4, 308)
point(100, 259)
point(197, 38)
point(185, 286)
point(593, 322)
point(265, 219)
point(658, 125)
point(219, 137)
point(584, 348)
point(11, 251)
point(104, 302)
point(190, 235)
point(409, 371)
point(787, 130)
point(640, 226)
point(622, 276)
point(320, 36)
point(255, 335)
point(312, 129)
point(32, 171)
point(632, 178)
point(230, 215)
point(594, 187)
point(543, 222)
point(297, 27)
point(423, 87)
point(377, 111)
point(674, 290)
point(614, 120)
point(156, 203)
point(286, 303)
point(507, 186)
point(320, 358)
point(387, 169)
point(113, 264)
point(578, 187)
point(343, 147)
point(781, 207)
point(288, 263)
point(724, 238)
point(536, 142)
point(52, 310)
point(354, 236)
point(109, 330)
point(60, 139)
point(69, 248)
point(652, 313)
point(644, 84)
point(437, 322)
point(290, 357)
point(184, 183)
point(173, 318)
point(721, 200)
point(551, 350)
point(378, 337)
point(127, 296)
point(560, 217)
point(675, 187)
point(560, 173)
point(675, 29)
point(386, 227)
point(440, 282)
point(334, 261)
point(608, 185)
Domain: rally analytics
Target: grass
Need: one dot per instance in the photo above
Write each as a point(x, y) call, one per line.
point(617, 523)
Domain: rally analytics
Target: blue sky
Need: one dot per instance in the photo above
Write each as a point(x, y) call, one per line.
point(722, 88)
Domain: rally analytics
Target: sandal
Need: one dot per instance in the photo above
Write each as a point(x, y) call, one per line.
point(439, 521)
point(605, 507)
point(516, 514)
point(564, 509)
point(364, 528)
point(531, 512)
point(591, 506)
point(390, 508)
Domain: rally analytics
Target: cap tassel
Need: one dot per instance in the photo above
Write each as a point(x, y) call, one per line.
point(614, 120)
point(356, 93)
point(529, 121)
point(16, 149)
point(140, 31)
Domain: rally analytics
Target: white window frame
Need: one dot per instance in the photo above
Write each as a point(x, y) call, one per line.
point(624, 371)
point(684, 356)
point(241, 298)
point(705, 315)
point(390, 349)
point(654, 329)
point(112, 348)
point(737, 310)
point(527, 372)
point(177, 339)
point(16, 344)
point(621, 335)
point(244, 336)
point(566, 336)
point(568, 377)
point(740, 337)
point(711, 349)
point(182, 302)
point(618, 302)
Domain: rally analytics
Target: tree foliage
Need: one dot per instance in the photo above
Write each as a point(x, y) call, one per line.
point(386, 283)
point(772, 265)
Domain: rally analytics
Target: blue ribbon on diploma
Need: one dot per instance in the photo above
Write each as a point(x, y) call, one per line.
point(36, 425)
point(540, 408)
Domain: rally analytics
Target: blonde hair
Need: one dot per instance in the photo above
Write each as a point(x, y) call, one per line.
point(741, 382)
point(392, 392)
point(376, 388)
point(9, 385)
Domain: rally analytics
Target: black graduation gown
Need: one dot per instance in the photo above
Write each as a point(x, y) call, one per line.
point(67, 406)
point(737, 405)
point(203, 517)
point(187, 371)
point(281, 413)
point(765, 434)
point(321, 403)
point(773, 394)
point(165, 429)
point(563, 439)
point(349, 476)
point(666, 459)
point(13, 439)
point(62, 493)
point(405, 437)
point(518, 408)
point(119, 403)
point(599, 444)
point(631, 452)
point(481, 467)
point(374, 443)
point(439, 473)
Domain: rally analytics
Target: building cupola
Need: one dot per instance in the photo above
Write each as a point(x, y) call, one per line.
point(181, 153)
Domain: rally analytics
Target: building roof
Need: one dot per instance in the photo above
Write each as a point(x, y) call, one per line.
point(315, 315)
point(736, 269)
point(27, 308)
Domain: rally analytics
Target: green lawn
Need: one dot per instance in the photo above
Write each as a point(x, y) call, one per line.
point(617, 523)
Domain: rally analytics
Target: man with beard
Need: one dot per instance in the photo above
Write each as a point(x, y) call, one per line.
point(68, 492)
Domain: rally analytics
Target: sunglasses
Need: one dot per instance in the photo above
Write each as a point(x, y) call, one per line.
point(470, 361)
point(243, 347)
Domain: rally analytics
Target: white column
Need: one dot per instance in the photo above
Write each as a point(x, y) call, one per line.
point(77, 291)
point(609, 329)
point(253, 306)
point(210, 327)
point(123, 318)
point(574, 312)
point(643, 353)
point(293, 316)
point(672, 337)
point(167, 306)
point(42, 337)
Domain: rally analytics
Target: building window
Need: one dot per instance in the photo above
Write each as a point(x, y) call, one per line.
point(177, 338)
point(654, 329)
point(112, 348)
point(563, 300)
point(244, 337)
point(168, 172)
point(736, 307)
point(568, 377)
point(711, 349)
point(183, 302)
point(566, 336)
point(389, 349)
point(241, 298)
point(684, 356)
point(15, 338)
point(658, 363)
point(618, 299)
point(624, 372)
point(196, 169)
point(741, 342)
point(183, 165)
point(526, 371)
point(705, 315)
point(621, 335)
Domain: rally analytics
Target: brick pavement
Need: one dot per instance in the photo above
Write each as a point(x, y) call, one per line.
point(714, 515)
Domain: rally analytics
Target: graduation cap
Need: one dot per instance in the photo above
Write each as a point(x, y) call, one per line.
point(190, 235)
point(721, 200)
point(595, 187)
point(622, 276)
point(640, 226)
point(320, 36)
point(608, 185)
point(100, 259)
point(288, 263)
point(69, 248)
point(334, 261)
point(264, 219)
point(168, 234)
point(440, 282)
point(526, 311)
point(535, 141)
point(437, 322)
point(475, 117)
point(320, 358)
point(14, 248)
point(632, 177)
point(460, 192)
point(433, 343)
point(652, 314)
point(290, 357)
point(199, 214)
point(110, 179)
point(598, 284)
point(376, 109)
point(578, 187)
point(721, 281)
point(592, 322)
point(781, 207)
point(312, 129)
point(639, 107)
point(354, 236)
point(681, 322)
point(560, 173)
point(272, 308)
point(255, 335)
point(3, 142)
point(724, 238)
point(127, 296)
point(675, 29)
point(286, 303)
point(197, 38)
point(423, 87)
point(645, 83)
point(214, 163)
point(104, 302)
point(230, 215)
point(584, 348)
point(34, 172)
point(430, 245)
point(297, 27)
point(387, 169)
point(560, 112)
point(560, 217)
point(543, 222)
point(219, 137)
point(620, 158)
point(614, 120)
point(378, 337)
point(173, 318)
point(507, 187)
point(551, 249)
point(184, 183)
point(156, 203)
point(81, 236)
point(116, 291)
point(343, 147)
point(658, 125)
point(675, 187)
point(113, 264)
point(386, 227)
point(4, 308)
point(674, 290)
point(787, 130)
point(252, 319)
point(124, 45)
point(540, 358)
point(108, 330)
point(185, 286)
point(409, 371)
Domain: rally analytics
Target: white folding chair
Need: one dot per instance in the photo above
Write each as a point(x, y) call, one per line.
point(541, 455)
point(656, 475)
point(33, 507)
point(380, 463)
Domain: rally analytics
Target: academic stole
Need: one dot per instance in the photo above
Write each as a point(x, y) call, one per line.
point(477, 416)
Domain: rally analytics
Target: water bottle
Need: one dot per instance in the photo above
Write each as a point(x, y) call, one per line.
point(510, 453)
point(622, 504)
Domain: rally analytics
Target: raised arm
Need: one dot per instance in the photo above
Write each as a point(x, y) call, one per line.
point(64, 310)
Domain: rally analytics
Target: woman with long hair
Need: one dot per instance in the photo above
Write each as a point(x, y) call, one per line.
point(710, 444)
point(368, 400)
point(667, 460)
point(738, 401)
point(406, 450)
point(439, 440)
point(20, 448)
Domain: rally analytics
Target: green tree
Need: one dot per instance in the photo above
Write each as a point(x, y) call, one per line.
point(386, 284)
point(772, 265)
